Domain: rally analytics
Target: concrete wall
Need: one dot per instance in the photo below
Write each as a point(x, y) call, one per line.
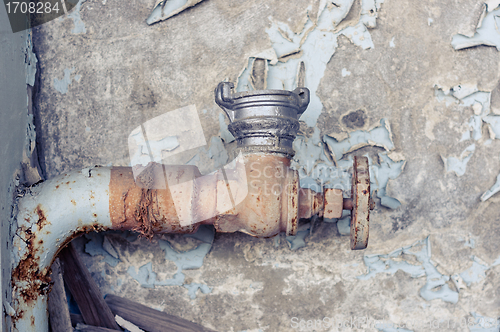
point(13, 123)
point(390, 74)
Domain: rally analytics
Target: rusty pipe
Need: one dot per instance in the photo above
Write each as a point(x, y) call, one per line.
point(257, 194)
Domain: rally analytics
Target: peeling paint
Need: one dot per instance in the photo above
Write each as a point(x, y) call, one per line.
point(298, 241)
point(492, 191)
point(345, 72)
point(380, 136)
point(316, 171)
point(191, 259)
point(95, 248)
point(30, 62)
point(388, 169)
point(436, 286)
point(217, 152)
point(164, 9)
point(313, 46)
point(459, 165)
point(344, 224)
point(77, 20)
point(8, 309)
point(486, 33)
point(63, 84)
point(475, 273)
point(164, 136)
point(391, 43)
point(468, 95)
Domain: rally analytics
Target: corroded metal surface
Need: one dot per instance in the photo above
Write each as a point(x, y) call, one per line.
point(360, 215)
point(310, 203)
point(271, 205)
point(142, 205)
point(257, 194)
point(50, 214)
point(334, 203)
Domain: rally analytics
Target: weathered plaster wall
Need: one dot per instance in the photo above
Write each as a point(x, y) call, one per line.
point(104, 71)
point(13, 123)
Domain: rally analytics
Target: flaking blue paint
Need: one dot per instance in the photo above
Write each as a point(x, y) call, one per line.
point(316, 171)
point(486, 34)
point(62, 85)
point(468, 96)
point(391, 43)
point(151, 150)
point(344, 223)
point(436, 286)
point(30, 61)
point(164, 9)
point(243, 82)
point(387, 170)
point(191, 259)
point(95, 248)
point(77, 20)
point(459, 165)
point(168, 8)
point(492, 191)
point(475, 273)
point(314, 45)
point(145, 276)
point(345, 72)
point(298, 241)
point(378, 136)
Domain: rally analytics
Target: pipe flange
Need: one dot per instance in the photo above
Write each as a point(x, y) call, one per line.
point(362, 203)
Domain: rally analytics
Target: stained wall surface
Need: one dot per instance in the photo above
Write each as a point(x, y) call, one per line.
point(412, 85)
point(13, 124)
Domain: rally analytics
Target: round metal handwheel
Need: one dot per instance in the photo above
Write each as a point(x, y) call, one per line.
point(361, 200)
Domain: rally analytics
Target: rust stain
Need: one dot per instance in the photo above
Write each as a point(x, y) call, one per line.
point(33, 320)
point(57, 187)
point(42, 219)
point(27, 279)
point(73, 202)
point(134, 205)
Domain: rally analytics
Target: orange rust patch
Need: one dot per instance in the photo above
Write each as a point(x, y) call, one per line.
point(136, 206)
point(42, 220)
point(73, 202)
point(57, 187)
point(35, 282)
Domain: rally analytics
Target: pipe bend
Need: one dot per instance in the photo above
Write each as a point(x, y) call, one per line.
point(256, 194)
point(49, 215)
